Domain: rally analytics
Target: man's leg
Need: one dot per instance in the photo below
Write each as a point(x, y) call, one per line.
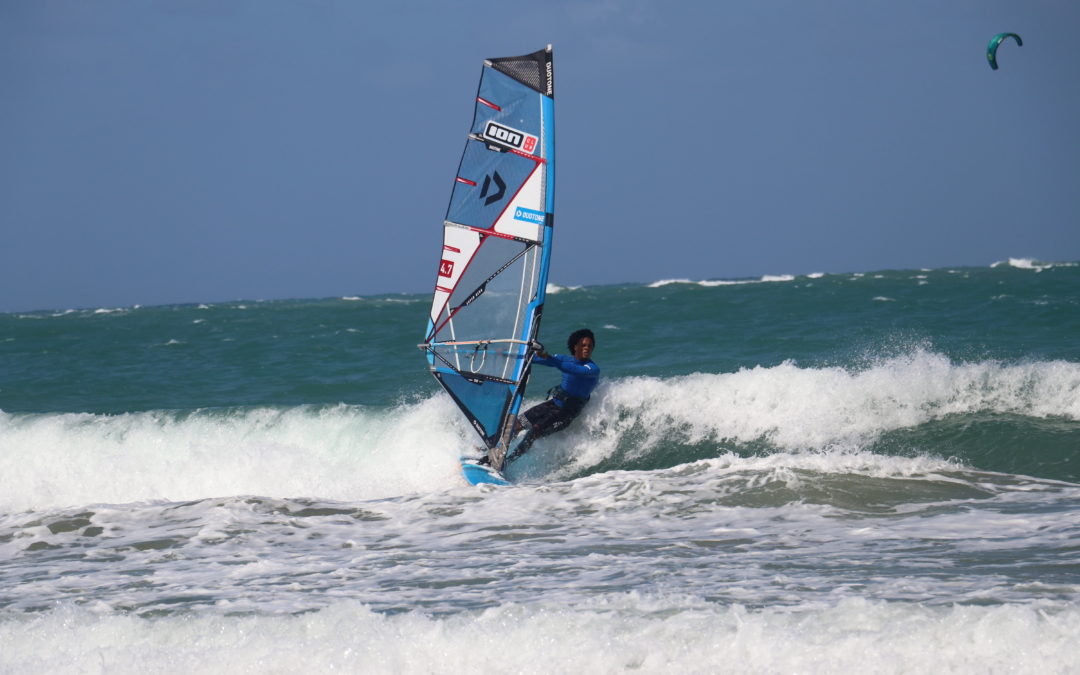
point(522, 447)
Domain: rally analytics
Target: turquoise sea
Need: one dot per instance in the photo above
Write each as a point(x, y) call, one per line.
point(872, 472)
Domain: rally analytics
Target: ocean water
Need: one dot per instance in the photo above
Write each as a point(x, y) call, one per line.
point(872, 472)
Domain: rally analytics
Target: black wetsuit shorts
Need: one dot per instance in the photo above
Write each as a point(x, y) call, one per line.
point(549, 417)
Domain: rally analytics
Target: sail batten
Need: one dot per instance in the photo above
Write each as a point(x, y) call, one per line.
point(492, 275)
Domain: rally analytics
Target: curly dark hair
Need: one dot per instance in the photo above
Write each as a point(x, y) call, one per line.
point(579, 335)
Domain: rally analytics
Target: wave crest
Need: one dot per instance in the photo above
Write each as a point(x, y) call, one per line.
point(794, 408)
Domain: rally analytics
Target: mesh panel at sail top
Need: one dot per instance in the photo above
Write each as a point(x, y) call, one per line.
point(530, 69)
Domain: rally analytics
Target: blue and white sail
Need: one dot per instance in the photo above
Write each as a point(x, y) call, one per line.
point(492, 276)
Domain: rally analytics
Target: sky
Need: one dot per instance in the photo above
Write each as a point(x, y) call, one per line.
point(177, 151)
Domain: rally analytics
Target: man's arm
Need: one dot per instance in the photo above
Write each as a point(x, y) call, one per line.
point(568, 364)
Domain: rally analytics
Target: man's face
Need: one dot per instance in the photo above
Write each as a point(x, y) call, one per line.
point(583, 349)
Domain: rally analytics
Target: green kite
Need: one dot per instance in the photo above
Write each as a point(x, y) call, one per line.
point(991, 49)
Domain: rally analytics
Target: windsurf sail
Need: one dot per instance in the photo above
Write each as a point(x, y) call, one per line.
point(492, 276)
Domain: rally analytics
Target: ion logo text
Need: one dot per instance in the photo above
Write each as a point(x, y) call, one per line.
point(512, 137)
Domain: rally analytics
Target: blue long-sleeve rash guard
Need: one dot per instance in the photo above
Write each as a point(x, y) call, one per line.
point(579, 377)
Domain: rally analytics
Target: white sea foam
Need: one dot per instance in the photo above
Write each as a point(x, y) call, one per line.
point(668, 282)
point(709, 283)
point(355, 453)
point(622, 633)
point(403, 301)
point(821, 408)
point(59, 460)
point(1019, 263)
point(1032, 264)
point(706, 283)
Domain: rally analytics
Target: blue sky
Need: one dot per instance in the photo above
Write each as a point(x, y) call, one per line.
point(168, 151)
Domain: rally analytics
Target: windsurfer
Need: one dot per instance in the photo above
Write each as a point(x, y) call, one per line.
point(566, 401)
